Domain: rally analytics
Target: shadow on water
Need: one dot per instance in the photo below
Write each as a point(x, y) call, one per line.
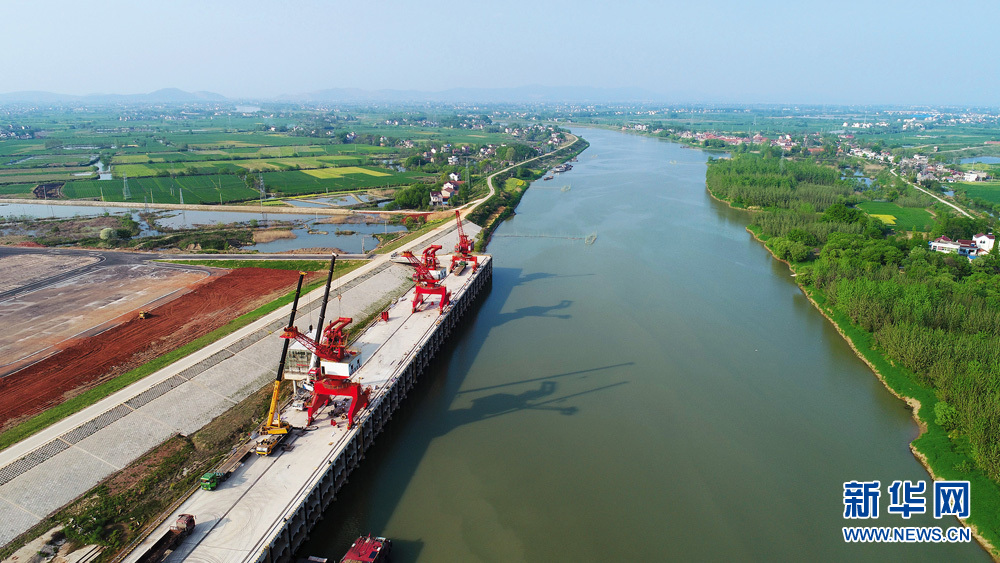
point(376, 488)
point(546, 378)
point(535, 311)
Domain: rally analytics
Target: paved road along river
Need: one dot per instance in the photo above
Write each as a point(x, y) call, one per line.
point(666, 393)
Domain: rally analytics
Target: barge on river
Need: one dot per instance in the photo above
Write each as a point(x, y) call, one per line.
point(264, 511)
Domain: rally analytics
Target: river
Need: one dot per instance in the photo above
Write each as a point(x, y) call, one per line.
point(666, 393)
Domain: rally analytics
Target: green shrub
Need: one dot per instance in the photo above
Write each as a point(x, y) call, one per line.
point(945, 416)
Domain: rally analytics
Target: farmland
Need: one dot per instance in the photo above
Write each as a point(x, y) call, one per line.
point(211, 155)
point(227, 188)
point(989, 191)
point(153, 166)
point(899, 218)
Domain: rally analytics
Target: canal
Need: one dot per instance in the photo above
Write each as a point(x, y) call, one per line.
point(666, 393)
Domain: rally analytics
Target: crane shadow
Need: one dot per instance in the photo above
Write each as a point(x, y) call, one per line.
point(499, 404)
point(545, 311)
point(534, 276)
point(547, 377)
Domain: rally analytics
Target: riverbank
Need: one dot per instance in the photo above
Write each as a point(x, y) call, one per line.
point(936, 451)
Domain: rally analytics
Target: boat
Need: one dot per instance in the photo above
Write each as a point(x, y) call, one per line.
point(547, 178)
point(368, 549)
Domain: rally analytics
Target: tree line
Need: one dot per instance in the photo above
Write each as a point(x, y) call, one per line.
point(937, 315)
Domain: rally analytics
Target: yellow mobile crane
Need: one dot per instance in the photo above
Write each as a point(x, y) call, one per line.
point(274, 430)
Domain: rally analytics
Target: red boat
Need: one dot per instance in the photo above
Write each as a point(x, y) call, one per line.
point(368, 549)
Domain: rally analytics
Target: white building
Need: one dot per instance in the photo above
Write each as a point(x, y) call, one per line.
point(984, 242)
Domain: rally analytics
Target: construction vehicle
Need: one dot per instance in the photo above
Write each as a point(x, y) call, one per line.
point(170, 539)
point(463, 250)
point(426, 283)
point(145, 314)
point(211, 480)
point(274, 430)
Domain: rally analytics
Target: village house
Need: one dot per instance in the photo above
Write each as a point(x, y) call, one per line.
point(979, 245)
point(984, 242)
point(453, 177)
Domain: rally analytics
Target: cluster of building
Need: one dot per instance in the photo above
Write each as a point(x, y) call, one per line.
point(12, 131)
point(979, 245)
point(926, 171)
point(728, 139)
point(883, 156)
point(449, 189)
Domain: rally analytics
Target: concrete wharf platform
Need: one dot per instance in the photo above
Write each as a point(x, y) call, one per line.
point(266, 508)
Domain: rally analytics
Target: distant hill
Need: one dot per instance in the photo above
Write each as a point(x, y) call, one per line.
point(521, 94)
point(513, 95)
point(165, 95)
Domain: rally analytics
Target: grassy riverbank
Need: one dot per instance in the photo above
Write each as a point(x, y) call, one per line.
point(944, 446)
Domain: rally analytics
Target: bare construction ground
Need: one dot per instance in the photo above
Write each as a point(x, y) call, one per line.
point(39, 323)
point(19, 271)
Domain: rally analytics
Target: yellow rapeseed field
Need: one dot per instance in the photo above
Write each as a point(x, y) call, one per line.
point(887, 219)
point(342, 171)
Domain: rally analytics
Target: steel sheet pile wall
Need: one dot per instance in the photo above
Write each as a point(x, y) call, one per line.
point(322, 489)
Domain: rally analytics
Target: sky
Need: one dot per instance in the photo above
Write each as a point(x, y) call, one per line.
point(804, 52)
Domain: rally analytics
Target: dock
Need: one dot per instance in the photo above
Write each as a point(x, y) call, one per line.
point(267, 507)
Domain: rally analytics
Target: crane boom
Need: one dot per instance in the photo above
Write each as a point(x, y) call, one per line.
point(335, 347)
point(463, 250)
point(322, 308)
point(274, 429)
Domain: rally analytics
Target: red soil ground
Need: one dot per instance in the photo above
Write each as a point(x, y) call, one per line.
point(85, 363)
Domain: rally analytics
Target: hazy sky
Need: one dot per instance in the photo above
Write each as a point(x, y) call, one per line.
point(804, 51)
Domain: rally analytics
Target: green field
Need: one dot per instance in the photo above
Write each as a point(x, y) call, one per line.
point(54, 160)
point(197, 189)
point(228, 187)
point(990, 191)
point(900, 218)
point(153, 165)
point(15, 189)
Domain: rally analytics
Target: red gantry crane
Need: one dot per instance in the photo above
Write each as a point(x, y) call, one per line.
point(333, 348)
point(463, 250)
point(430, 257)
point(426, 284)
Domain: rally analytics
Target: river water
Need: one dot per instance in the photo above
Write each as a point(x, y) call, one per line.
point(666, 393)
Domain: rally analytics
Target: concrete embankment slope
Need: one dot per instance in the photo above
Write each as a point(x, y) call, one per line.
point(46, 471)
